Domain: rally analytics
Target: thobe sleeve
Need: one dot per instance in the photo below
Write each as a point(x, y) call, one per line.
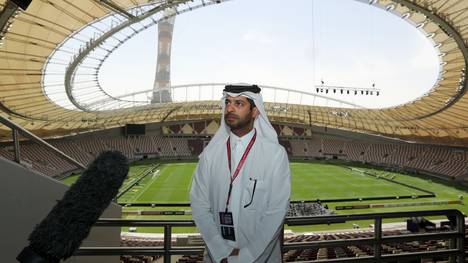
point(271, 222)
point(202, 213)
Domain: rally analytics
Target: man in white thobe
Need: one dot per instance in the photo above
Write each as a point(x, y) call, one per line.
point(241, 186)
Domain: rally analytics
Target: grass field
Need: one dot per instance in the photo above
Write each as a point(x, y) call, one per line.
point(170, 183)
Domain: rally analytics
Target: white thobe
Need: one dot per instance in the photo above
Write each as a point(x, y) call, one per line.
point(258, 226)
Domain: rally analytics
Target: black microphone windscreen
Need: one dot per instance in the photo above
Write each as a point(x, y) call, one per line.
point(69, 222)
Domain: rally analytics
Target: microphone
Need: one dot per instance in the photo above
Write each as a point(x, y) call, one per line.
point(69, 222)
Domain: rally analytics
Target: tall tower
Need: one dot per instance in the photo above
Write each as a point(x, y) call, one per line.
point(162, 81)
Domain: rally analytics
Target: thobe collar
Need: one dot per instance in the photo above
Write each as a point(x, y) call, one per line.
point(244, 140)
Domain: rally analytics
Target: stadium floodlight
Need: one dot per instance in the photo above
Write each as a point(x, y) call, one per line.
point(406, 15)
point(346, 90)
point(420, 25)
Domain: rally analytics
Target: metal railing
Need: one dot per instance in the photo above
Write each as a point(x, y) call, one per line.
point(17, 129)
point(455, 236)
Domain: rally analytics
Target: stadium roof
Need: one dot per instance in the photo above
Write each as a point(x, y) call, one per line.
point(30, 37)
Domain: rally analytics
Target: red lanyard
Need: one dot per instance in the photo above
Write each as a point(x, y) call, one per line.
point(241, 162)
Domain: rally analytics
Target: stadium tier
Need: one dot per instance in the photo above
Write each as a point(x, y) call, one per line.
point(441, 161)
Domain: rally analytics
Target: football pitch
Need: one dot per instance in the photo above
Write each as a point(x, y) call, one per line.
point(170, 183)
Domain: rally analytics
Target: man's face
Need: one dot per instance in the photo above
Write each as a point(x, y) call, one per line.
point(237, 113)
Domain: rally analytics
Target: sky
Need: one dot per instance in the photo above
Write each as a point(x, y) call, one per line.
point(291, 44)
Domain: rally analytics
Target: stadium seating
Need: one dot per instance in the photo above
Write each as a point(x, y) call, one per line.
point(195, 146)
point(6, 154)
point(92, 146)
point(438, 160)
point(180, 147)
point(85, 150)
point(299, 148)
point(143, 145)
point(452, 163)
point(73, 150)
point(140, 242)
point(191, 259)
point(123, 145)
point(348, 251)
point(355, 250)
point(333, 146)
point(355, 150)
point(315, 147)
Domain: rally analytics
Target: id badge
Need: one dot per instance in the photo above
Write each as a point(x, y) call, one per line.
point(227, 226)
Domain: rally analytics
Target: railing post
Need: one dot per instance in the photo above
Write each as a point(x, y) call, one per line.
point(458, 242)
point(282, 241)
point(453, 244)
point(461, 237)
point(378, 238)
point(16, 145)
point(167, 244)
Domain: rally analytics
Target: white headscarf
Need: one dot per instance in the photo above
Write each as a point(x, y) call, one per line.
point(261, 124)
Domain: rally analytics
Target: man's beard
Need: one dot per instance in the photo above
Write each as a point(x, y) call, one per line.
point(241, 122)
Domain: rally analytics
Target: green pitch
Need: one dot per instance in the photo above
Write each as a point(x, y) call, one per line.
point(329, 181)
point(310, 181)
point(169, 184)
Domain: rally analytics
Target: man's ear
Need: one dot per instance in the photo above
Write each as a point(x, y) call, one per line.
point(255, 112)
